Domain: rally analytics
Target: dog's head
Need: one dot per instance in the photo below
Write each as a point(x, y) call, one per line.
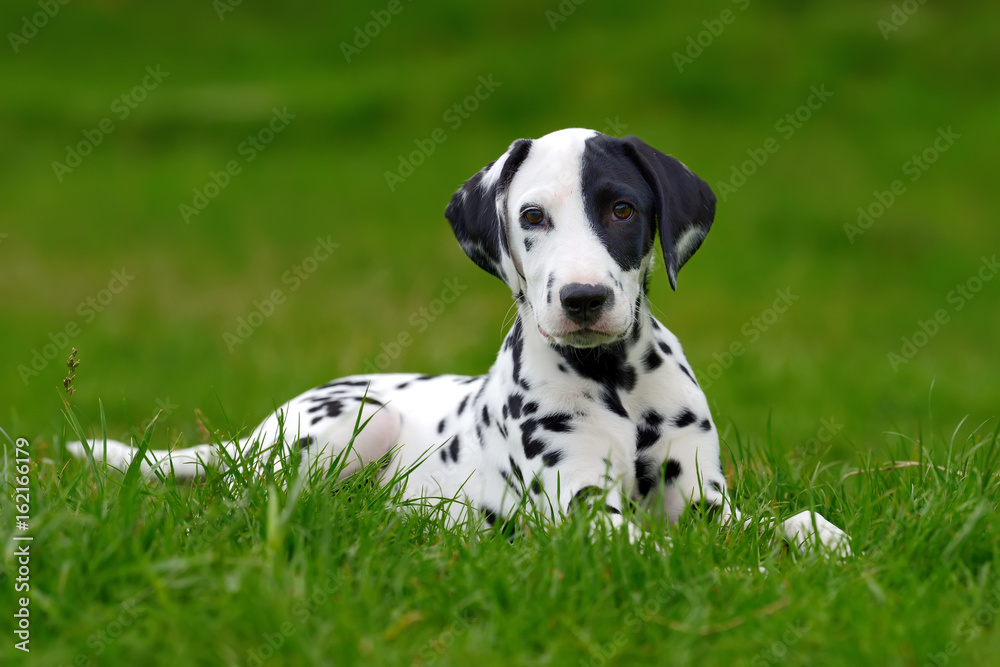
point(568, 222)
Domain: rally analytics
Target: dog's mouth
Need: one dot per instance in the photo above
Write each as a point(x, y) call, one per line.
point(583, 337)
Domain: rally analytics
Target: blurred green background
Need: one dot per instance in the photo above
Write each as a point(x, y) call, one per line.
point(618, 67)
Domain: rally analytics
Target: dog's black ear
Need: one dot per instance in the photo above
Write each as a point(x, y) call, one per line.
point(685, 204)
point(478, 214)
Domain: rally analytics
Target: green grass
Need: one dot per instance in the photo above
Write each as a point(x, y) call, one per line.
point(812, 396)
point(318, 571)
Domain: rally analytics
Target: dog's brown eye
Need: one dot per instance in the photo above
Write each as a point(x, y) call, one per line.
point(622, 211)
point(533, 216)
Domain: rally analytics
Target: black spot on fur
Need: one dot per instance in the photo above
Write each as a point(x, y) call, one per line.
point(403, 385)
point(514, 404)
point(612, 401)
point(441, 425)
point(421, 378)
point(559, 422)
point(486, 416)
point(530, 408)
point(536, 486)
point(648, 430)
point(548, 288)
point(505, 411)
point(517, 348)
point(652, 360)
point(552, 457)
point(705, 425)
point(688, 373)
point(516, 470)
point(685, 418)
point(528, 242)
point(671, 471)
point(716, 485)
point(646, 476)
point(666, 348)
point(453, 449)
point(491, 516)
point(461, 406)
point(346, 383)
point(305, 443)
point(510, 482)
point(707, 509)
point(532, 446)
point(637, 319)
point(584, 496)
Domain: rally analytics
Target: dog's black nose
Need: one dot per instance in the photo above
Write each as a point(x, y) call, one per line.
point(584, 303)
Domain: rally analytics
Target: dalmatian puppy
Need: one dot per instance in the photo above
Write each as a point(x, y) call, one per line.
point(590, 400)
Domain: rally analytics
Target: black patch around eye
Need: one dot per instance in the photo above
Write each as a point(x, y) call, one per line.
point(685, 418)
point(609, 176)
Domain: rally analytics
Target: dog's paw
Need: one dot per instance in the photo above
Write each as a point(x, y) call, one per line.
point(809, 528)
